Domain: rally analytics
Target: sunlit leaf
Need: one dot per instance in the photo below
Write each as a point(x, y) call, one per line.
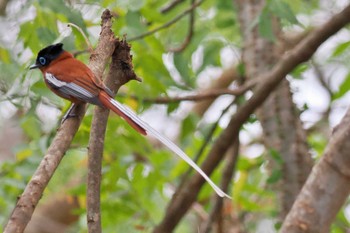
point(341, 48)
point(343, 89)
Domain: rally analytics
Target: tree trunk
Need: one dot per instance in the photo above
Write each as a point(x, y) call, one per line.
point(279, 118)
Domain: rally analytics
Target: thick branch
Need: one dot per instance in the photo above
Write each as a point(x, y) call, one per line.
point(301, 53)
point(278, 116)
point(27, 202)
point(327, 187)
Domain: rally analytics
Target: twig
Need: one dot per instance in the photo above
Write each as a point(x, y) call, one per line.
point(301, 53)
point(322, 78)
point(95, 148)
point(83, 34)
point(211, 94)
point(207, 94)
point(189, 34)
point(227, 176)
point(27, 202)
point(167, 24)
point(227, 77)
point(170, 6)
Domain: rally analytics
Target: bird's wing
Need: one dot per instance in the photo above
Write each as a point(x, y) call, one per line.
point(78, 89)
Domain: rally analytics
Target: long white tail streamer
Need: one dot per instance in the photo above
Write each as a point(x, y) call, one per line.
point(168, 143)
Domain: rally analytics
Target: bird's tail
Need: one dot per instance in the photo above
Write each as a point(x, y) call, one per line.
point(113, 105)
point(145, 129)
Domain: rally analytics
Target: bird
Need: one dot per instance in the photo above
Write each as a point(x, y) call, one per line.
point(71, 79)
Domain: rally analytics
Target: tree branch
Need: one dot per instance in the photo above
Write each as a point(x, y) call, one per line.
point(167, 24)
point(227, 175)
point(27, 202)
point(189, 34)
point(207, 95)
point(95, 148)
point(181, 202)
point(222, 82)
point(118, 75)
point(328, 178)
point(170, 6)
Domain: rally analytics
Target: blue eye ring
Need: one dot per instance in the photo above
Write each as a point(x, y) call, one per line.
point(42, 60)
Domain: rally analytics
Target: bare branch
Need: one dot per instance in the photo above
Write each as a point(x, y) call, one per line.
point(90, 48)
point(328, 178)
point(95, 149)
point(211, 94)
point(170, 6)
point(27, 202)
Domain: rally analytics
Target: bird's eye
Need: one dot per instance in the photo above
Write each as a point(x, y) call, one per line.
point(42, 60)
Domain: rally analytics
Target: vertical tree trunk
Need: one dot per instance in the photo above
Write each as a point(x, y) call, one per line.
point(279, 118)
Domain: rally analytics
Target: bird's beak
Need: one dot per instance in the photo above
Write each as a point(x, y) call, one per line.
point(34, 66)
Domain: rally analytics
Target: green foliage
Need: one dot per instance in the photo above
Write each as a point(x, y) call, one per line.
point(343, 89)
point(138, 179)
point(274, 8)
point(282, 10)
point(341, 49)
point(299, 70)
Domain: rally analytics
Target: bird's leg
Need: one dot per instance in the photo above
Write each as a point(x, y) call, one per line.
point(70, 113)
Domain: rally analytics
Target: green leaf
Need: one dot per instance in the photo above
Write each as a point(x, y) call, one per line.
point(188, 126)
point(172, 107)
point(5, 55)
point(299, 70)
point(343, 89)
point(46, 35)
point(31, 126)
point(276, 156)
point(265, 25)
point(211, 53)
point(341, 48)
point(29, 38)
point(283, 11)
point(134, 24)
point(275, 176)
point(182, 65)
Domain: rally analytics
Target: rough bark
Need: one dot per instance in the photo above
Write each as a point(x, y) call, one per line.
point(120, 73)
point(326, 189)
point(95, 148)
point(279, 118)
point(27, 202)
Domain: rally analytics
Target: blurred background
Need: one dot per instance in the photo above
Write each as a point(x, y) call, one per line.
point(192, 50)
